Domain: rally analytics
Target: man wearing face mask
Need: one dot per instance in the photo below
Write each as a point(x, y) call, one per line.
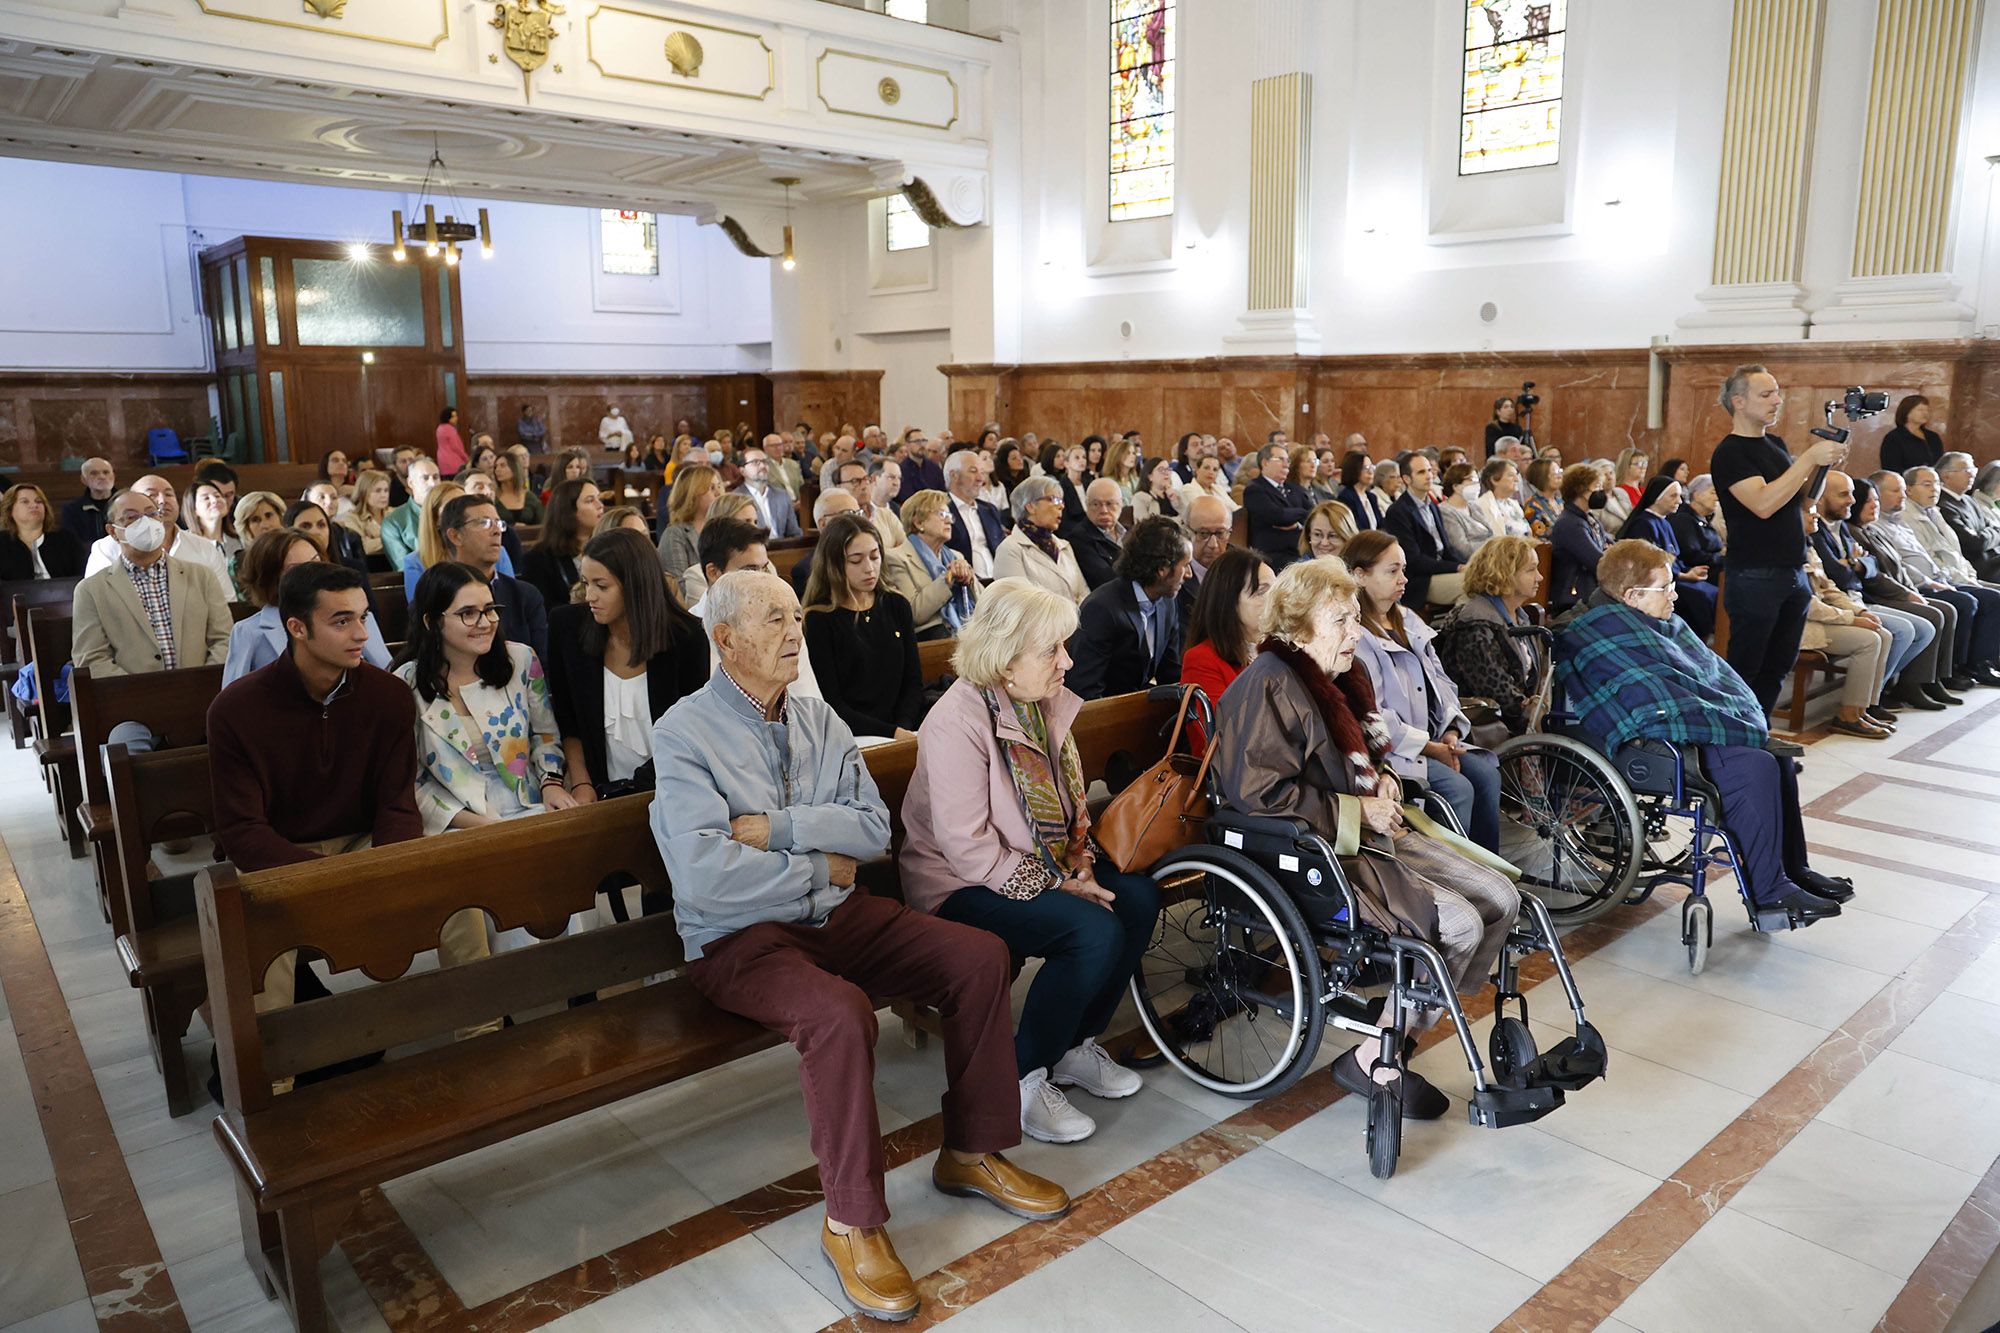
point(148, 610)
point(613, 432)
point(188, 547)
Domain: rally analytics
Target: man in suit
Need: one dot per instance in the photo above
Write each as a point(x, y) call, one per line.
point(85, 516)
point(785, 473)
point(921, 470)
point(1276, 509)
point(399, 525)
point(1418, 528)
point(1977, 529)
point(471, 529)
point(774, 507)
point(1098, 539)
point(148, 611)
point(1128, 633)
point(976, 529)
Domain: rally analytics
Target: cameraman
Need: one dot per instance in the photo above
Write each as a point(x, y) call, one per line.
point(1759, 482)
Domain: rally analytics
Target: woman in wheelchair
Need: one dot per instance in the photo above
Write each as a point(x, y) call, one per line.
point(1305, 740)
point(1416, 696)
point(1632, 671)
point(1476, 642)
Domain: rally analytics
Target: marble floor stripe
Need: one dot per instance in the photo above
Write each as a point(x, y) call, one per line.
point(1925, 751)
point(1941, 1282)
point(1598, 1281)
point(122, 1267)
point(1833, 805)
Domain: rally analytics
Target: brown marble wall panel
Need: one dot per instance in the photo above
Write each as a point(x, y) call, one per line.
point(47, 419)
point(827, 399)
point(571, 406)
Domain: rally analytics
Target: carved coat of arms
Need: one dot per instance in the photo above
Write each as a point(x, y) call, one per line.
point(526, 29)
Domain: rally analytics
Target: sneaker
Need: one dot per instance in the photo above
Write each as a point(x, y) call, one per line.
point(1091, 1068)
point(1047, 1115)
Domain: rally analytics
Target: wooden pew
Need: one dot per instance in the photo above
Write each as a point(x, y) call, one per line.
point(934, 658)
point(55, 748)
point(156, 796)
point(297, 1182)
point(57, 596)
point(392, 606)
point(173, 705)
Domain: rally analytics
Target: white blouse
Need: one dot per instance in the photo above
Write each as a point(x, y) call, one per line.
point(628, 725)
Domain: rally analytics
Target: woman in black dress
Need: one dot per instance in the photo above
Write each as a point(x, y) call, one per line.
point(860, 636)
point(574, 508)
point(1913, 443)
point(32, 546)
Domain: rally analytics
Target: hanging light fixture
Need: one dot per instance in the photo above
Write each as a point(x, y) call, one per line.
point(439, 236)
point(790, 261)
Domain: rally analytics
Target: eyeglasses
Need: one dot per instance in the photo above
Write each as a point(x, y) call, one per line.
point(474, 616)
point(497, 524)
point(1655, 587)
point(1211, 534)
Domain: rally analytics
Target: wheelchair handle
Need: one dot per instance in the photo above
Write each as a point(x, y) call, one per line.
point(1542, 632)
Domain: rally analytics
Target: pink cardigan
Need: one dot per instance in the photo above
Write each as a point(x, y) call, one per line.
point(963, 824)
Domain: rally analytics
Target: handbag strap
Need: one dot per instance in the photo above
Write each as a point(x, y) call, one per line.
point(1180, 719)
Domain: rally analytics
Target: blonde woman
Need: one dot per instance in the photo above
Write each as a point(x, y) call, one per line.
point(1122, 464)
point(692, 585)
point(370, 498)
point(1329, 527)
point(257, 513)
point(696, 486)
point(935, 580)
point(430, 543)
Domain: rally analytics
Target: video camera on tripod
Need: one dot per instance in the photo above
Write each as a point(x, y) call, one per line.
point(1857, 404)
point(1524, 414)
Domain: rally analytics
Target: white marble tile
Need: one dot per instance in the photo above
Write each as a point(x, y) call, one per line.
point(136, 1100)
point(1739, 1273)
point(76, 1317)
point(189, 1193)
point(740, 1286)
point(1641, 1113)
point(39, 1272)
point(1981, 981)
point(111, 1026)
point(1904, 895)
point(504, 1216)
point(1273, 1246)
point(1861, 937)
point(1211, 1106)
point(1524, 1198)
point(219, 1294)
point(1922, 810)
point(24, 1156)
point(1857, 1197)
point(1958, 1032)
point(1092, 1288)
point(1746, 967)
point(1735, 1045)
point(1919, 852)
point(88, 966)
point(1923, 1108)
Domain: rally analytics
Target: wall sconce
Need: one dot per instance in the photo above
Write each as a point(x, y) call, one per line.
point(790, 260)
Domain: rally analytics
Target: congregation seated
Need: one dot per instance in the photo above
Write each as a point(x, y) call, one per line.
point(1976, 525)
point(257, 513)
point(1696, 531)
point(862, 634)
point(1128, 635)
point(368, 507)
point(618, 659)
point(1417, 526)
point(402, 527)
point(1541, 496)
point(150, 610)
point(694, 492)
point(187, 547)
point(1632, 671)
point(431, 544)
point(468, 529)
point(1628, 481)
point(1843, 628)
point(978, 528)
point(1475, 642)
point(831, 503)
point(772, 502)
point(1499, 502)
point(514, 489)
point(1097, 539)
point(260, 638)
point(998, 837)
point(1465, 525)
point(1295, 742)
point(488, 748)
point(774, 931)
point(550, 567)
point(1275, 506)
point(1032, 550)
point(1418, 701)
point(83, 514)
point(1329, 527)
point(925, 571)
point(1925, 512)
point(1651, 520)
point(1577, 540)
point(1223, 626)
point(31, 545)
point(1921, 614)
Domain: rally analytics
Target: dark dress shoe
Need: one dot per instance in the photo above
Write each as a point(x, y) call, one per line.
point(1807, 907)
point(1931, 698)
point(1829, 887)
point(1421, 1099)
point(1959, 683)
point(1985, 675)
point(1880, 716)
point(1865, 730)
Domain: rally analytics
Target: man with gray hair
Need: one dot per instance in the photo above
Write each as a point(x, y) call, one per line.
point(763, 812)
point(1098, 539)
point(837, 500)
point(976, 526)
point(1977, 529)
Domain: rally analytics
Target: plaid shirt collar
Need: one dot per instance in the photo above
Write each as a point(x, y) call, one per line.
point(784, 700)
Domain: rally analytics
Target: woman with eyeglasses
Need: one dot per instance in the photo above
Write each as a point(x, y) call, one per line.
point(1329, 527)
point(486, 733)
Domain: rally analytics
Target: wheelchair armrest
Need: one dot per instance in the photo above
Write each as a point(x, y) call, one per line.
point(1291, 828)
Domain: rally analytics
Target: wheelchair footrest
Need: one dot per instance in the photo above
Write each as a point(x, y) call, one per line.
point(1568, 1065)
point(1772, 918)
point(1498, 1107)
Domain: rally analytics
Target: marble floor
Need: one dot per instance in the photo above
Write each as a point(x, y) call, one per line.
point(1803, 1137)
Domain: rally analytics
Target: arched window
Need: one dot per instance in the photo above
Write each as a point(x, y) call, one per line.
point(1142, 109)
point(1511, 115)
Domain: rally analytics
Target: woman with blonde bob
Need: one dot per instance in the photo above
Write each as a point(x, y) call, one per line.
point(1475, 642)
point(695, 489)
point(1300, 737)
point(935, 580)
point(1012, 854)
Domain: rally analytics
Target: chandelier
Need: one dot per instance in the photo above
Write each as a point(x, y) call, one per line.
point(431, 232)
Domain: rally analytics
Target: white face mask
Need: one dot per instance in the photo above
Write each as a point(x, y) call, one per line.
point(715, 455)
point(144, 534)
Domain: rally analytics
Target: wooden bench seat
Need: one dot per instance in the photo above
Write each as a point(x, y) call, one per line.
point(16, 596)
point(48, 637)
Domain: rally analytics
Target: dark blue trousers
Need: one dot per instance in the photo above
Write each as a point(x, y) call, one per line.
point(1760, 806)
point(1767, 617)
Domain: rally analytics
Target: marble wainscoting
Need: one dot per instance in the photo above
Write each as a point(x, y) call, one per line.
point(572, 405)
point(47, 421)
point(829, 399)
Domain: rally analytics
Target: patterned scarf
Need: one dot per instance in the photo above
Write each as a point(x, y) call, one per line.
point(1044, 541)
point(957, 608)
point(1061, 836)
point(1347, 706)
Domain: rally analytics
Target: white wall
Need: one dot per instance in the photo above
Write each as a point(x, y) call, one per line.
point(112, 285)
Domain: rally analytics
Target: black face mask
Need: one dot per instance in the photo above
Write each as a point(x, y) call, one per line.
point(1598, 499)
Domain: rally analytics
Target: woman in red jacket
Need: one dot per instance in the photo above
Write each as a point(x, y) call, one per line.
point(1223, 626)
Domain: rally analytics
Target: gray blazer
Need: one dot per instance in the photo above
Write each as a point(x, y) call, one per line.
point(111, 635)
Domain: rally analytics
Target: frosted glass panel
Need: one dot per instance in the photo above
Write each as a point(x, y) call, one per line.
point(225, 307)
point(267, 274)
point(347, 304)
point(253, 412)
point(444, 302)
point(277, 413)
point(245, 322)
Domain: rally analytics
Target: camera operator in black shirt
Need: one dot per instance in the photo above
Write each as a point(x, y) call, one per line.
point(1759, 482)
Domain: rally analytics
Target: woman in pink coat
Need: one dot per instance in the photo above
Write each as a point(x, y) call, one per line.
point(451, 455)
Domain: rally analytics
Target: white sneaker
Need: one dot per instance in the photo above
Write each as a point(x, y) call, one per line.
point(1047, 1115)
point(1091, 1068)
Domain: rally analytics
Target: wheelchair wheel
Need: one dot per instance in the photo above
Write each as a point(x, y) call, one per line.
point(1229, 989)
point(1697, 931)
point(1385, 1129)
point(1570, 823)
point(1512, 1048)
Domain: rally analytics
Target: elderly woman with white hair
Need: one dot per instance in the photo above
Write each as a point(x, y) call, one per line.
point(1697, 526)
point(1033, 551)
point(1012, 854)
point(1301, 737)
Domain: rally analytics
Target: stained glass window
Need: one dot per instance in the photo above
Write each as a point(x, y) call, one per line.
point(905, 230)
point(1142, 109)
point(1512, 113)
point(631, 241)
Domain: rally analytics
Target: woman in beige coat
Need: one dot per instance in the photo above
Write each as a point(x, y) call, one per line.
point(934, 579)
point(1032, 551)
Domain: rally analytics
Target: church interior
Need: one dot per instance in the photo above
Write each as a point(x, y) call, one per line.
point(1280, 296)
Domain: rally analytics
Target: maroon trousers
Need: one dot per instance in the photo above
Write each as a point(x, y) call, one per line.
point(819, 986)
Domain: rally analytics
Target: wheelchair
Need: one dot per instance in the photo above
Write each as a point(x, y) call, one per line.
point(1239, 983)
point(1590, 829)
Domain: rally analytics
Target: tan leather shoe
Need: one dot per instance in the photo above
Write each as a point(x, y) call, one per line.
point(1003, 1184)
point(873, 1277)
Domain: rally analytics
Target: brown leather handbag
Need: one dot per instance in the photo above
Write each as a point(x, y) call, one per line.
point(1163, 809)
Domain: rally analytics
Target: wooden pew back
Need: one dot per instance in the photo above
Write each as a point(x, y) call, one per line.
point(173, 705)
point(48, 638)
point(392, 606)
point(17, 595)
point(154, 796)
